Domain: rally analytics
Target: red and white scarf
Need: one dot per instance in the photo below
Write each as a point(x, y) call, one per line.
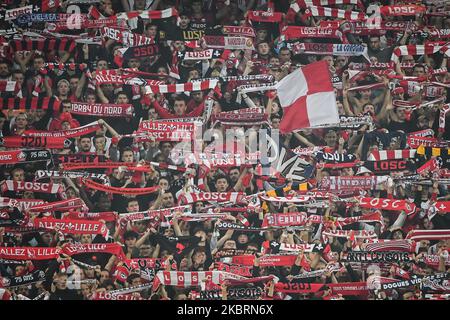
point(185, 279)
point(328, 49)
point(148, 14)
point(338, 183)
point(127, 38)
point(387, 204)
point(242, 117)
point(317, 11)
point(59, 205)
point(234, 197)
point(391, 245)
point(419, 49)
point(117, 190)
point(29, 253)
point(167, 130)
point(53, 188)
point(362, 234)
point(297, 32)
point(379, 155)
point(108, 216)
point(182, 87)
point(102, 109)
point(71, 133)
point(79, 248)
point(228, 42)
point(402, 10)
point(239, 31)
point(21, 204)
point(71, 226)
point(418, 235)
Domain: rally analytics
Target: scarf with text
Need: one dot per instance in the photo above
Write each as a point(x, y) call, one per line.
point(128, 39)
point(377, 257)
point(33, 277)
point(78, 248)
point(343, 288)
point(270, 260)
point(71, 133)
point(234, 197)
point(167, 130)
point(35, 142)
point(21, 186)
point(412, 282)
point(59, 205)
point(327, 49)
point(117, 190)
point(275, 247)
point(387, 204)
point(244, 271)
point(108, 216)
point(78, 158)
point(21, 204)
point(228, 42)
point(433, 260)
point(402, 10)
point(29, 253)
point(185, 279)
point(156, 215)
point(68, 226)
point(335, 157)
point(338, 183)
point(242, 117)
point(44, 174)
point(22, 156)
point(350, 122)
point(235, 293)
point(297, 32)
point(102, 109)
point(224, 225)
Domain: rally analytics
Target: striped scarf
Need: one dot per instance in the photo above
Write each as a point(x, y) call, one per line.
point(42, 45)
point(418, 235)
point(317, 11)
point(234, 197)
point(32, 103)
point(419, 49)
point(379, 155)
point(181, 87)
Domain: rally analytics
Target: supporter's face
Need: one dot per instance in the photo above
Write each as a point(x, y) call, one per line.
point(198, 206)
point(276, 123)
point(71, 193)
point(91, 98)
point(85, 144)
point(419, 72)
point(18, 175)
point(100, 144)
point(180, 108)
point(166, 148)
point(145, 250)
point(374, 43)
point(18, 77)
point(184, 21)
point(229, 244)
point(234, 175)
point(152, 113)
point(285, 55)
point(130, 242)
point(122, 98)
point(61, 282)
point(74, 84)
point(127, 156)
point(21, 121)
point(331, 138)
point(197, 7)
point(199, 258)
point(106, 4)
point(152, 31)
point(85, 291)
point(47, 238)
point(261, 35)
point(408, 59)
point(178, 45)
point(263, 49)
point(369, 109)
point(221, 185)
point(193, 74)
point(366, 93)
point(163, 184)
point(86, 239)
point(243, 238)
point(38, 63)
point(4, 70)
point(65, 125)
point(340, 62)
point(197, 96)
point(133, 206)
point(167, 200)
point(102, 65)
point(401, 114)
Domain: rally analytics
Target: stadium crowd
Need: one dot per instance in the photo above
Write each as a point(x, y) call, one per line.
point(119, 180)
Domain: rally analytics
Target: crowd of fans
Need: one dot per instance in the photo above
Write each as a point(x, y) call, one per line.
point(400, 99)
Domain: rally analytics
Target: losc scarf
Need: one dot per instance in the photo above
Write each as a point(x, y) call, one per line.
point(244, 271)
point(387, 204)
point(362, 234)
point(234, 197)
point(167, 130)
point(78, 248)
point(108, 216)
point(187, 279)
point(327, 49)
point(402, 10)
point(270, 260)
point(128, 39)
point(53, 188)
point(35, 142)
point(297, 32)
point(242, 117)
point(102, 109)
point(22, 156)
point(238, 31)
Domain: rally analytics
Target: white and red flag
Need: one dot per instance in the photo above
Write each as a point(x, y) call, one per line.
point(307, 97)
